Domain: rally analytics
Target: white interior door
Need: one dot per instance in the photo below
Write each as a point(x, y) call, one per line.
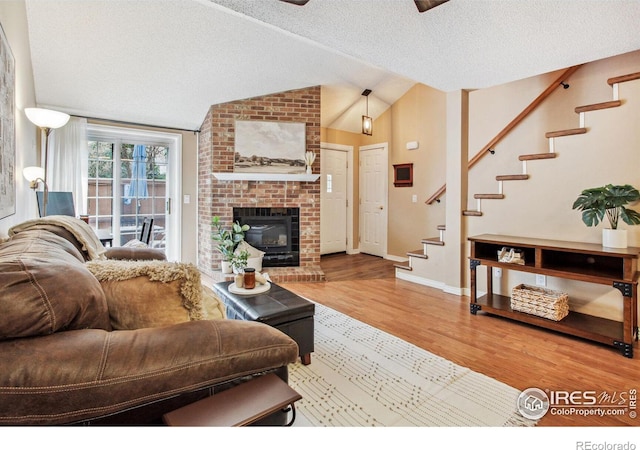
point(333, 201)
point(373, 199)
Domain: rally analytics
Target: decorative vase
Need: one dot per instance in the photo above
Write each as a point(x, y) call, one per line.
point(239, 280)
point(309, 158)
point(226, 267)
point(614, 238)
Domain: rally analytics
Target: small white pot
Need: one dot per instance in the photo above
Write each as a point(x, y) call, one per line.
point(226, 267)
point(256, 263)
point(614, 238)
point(309, 169)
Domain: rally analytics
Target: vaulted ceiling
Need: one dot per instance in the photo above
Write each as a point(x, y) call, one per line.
point(164, 62)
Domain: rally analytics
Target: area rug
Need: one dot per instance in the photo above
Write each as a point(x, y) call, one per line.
point(360, 376)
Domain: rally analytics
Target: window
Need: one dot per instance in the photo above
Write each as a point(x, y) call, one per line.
point(129, 179)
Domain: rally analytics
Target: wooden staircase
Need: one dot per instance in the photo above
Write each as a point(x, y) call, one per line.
point(550, 154)
point(552, 135)
point(422, 252)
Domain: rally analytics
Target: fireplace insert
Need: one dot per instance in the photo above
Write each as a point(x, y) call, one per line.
point(275, 231)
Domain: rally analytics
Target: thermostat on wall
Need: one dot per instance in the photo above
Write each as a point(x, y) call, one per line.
point(412, 145)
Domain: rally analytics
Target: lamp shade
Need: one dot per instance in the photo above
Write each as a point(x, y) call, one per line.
point(32, 173)
point(46, 118)
point(367, 125)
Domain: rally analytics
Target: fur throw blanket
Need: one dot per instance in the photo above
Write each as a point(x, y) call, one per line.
point(79, 228)
point(187, 276)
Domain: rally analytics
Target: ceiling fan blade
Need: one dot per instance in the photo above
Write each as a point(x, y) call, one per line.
point(296, 2)
point(425, 5)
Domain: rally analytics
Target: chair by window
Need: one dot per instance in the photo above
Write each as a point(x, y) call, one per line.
point(58, 203)
point(147, 230)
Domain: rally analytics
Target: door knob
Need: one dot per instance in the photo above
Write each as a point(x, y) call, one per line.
point(381, 207)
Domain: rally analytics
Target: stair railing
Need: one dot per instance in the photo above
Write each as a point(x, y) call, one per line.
point(511, 125)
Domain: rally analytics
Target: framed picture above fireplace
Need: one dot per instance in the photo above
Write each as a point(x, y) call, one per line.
point(269, 147)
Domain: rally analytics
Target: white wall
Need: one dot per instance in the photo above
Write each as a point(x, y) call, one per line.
point(14, 22)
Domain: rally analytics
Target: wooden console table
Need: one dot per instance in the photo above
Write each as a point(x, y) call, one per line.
point(590, 263)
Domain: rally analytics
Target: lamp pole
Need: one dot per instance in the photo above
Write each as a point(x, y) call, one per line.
point(45, 195)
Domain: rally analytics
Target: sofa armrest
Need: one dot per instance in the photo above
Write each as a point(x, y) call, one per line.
point(135, 253)
point(83, 374)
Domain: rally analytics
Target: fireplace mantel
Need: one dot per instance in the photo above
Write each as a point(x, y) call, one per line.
point(230, 176)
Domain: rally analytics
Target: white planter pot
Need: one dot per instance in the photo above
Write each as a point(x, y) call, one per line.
point(226, 267)
point(614, 238)
point(256, 263)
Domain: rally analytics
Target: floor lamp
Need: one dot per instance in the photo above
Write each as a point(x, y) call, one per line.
point(46, 120)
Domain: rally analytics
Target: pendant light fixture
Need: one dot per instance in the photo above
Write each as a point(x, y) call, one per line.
point(367, 122)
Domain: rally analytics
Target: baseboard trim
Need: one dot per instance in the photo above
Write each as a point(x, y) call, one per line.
point(403, 275)
point(407, 276)
point(461, 292)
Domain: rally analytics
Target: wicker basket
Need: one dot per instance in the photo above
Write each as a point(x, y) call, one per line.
point(540, 302)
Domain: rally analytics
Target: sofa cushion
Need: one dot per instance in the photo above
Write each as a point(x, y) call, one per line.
point(83, 374)
point(142, 294)
point(67, 235)
point(46, 288)
point(83, 234)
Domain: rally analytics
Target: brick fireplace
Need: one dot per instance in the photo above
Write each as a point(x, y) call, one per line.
point(219, 198)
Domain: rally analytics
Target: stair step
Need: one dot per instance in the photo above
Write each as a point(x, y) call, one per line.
point(520, 176)
point(432, 241)
point(623, 78)
point(489, 196)
point(403, 267)
point(569, 132)
point(442, 227)
point(471, 213)
point(417, 254)
point(597, 106)
point(548, 155)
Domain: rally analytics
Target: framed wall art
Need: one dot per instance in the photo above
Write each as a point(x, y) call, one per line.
point(269, 147)
point(7, 129)
point(403, 175)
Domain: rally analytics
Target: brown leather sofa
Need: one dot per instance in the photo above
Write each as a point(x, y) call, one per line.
point(62, 361)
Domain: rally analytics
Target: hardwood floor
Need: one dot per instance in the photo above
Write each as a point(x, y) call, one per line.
point(522, 356)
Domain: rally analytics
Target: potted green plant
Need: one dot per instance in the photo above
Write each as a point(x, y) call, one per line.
point(227, 240)
point(239, 261)
point(609, 201)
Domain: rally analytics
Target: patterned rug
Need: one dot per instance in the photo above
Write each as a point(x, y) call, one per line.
point(360, 376)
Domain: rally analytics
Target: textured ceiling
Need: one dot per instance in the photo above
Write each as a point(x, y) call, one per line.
point(165, 62)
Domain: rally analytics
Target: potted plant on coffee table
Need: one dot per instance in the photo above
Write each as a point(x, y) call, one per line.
point(609, 201)
point(227, 240)
point(239, 261)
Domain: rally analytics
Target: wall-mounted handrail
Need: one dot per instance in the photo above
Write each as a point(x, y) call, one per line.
point(511, 125)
